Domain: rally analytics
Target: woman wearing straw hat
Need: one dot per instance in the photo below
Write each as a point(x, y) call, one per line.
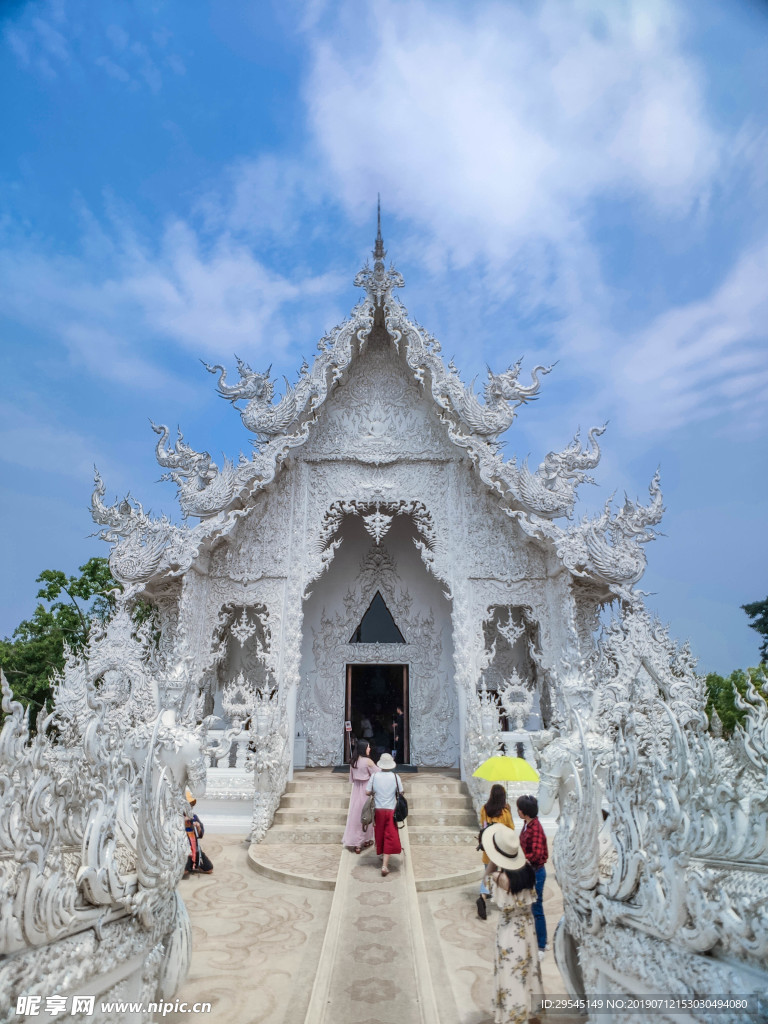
point(385, 786)
point(516, 967)
point(495, 810)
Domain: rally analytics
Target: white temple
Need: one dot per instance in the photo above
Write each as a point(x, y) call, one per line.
point(376, 552)
point(377, 477)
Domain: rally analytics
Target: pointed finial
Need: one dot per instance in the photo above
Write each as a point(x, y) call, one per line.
point(378, 250)
point(377, 280)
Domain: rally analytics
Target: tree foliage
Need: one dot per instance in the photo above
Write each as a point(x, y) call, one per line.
point(37, 646)
point(758, 610)
point(721, 695)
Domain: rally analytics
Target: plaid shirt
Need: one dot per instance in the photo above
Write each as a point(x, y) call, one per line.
point(534, 843)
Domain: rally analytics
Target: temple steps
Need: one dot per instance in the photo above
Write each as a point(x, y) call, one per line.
point(333, 801)
point(302, 817)
point(320, 800)
point(442, 830)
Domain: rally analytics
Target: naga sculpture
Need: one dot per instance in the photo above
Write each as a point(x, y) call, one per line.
point(551, 491)
point(617, 563)
point(260, 416)
point(623, 561)
point(671, 895)
point(204, 489)
point(92, 844)
point(138, 540)
point(503, 395)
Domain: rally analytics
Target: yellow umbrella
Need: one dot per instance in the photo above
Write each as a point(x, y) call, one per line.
point(501, 768)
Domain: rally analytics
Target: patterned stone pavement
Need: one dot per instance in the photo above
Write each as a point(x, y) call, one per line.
point(257, 943)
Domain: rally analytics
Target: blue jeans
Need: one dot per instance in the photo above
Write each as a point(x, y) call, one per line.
point(538, 910)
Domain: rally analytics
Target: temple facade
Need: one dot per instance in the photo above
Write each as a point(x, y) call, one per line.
point(377, 564)
point(376, 553)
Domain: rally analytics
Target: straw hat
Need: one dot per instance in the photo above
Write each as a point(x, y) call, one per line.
point(503, 847)
point(387, 762)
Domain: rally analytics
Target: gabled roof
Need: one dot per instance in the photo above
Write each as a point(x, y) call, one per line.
point(219, 496)
point(205, 490)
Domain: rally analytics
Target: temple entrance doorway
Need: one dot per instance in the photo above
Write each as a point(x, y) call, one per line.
point(374, 696)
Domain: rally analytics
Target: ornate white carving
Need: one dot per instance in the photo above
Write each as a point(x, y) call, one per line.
point(550, 492)
point(203, 488)
point(685, 852)
point(377, 524)
point(243, 629)
point(378, 428)
point(517, 700)
point(268, 756)
point(503, 394)
point(91, 838)
point(376, 431)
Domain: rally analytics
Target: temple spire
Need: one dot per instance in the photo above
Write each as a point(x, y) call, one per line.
point(377, 280)
point(378, 249)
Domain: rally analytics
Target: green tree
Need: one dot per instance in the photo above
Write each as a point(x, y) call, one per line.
point(758, 610)
point(721, 695)
point(37, 646)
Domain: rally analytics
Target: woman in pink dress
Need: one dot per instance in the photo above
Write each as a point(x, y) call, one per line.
point(361, 768)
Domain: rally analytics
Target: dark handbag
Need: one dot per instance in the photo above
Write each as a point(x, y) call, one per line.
point(401, 805)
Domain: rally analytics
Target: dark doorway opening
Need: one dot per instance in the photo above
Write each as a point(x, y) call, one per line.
point(374, 694)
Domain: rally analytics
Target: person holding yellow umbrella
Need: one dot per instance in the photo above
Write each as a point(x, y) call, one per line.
point(496, 810)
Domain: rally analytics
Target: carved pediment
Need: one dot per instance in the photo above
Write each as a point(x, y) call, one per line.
point(380, 415)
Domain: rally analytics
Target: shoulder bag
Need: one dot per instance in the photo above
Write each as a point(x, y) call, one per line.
point(401, 804)
point(368, 812)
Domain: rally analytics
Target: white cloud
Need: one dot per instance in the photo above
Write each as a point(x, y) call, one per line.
point(701, 360)
point(48, 37)
point(112, 69)
point(260, 197)
point(225, 299)
point(117, 315)
point(500, 132)
point(499, 123)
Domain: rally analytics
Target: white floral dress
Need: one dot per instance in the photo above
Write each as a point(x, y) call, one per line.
point(516, 966)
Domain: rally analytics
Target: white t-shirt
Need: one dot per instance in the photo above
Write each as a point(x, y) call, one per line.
point(384, 789)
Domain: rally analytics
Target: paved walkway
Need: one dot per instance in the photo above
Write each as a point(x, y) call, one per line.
point(258, 945)
point(374, 960)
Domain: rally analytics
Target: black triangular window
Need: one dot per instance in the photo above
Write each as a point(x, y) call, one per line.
point(377, 625)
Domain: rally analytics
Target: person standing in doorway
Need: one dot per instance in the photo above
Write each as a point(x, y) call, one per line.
point(385, 787)
point(398, 735)
point(533, 843)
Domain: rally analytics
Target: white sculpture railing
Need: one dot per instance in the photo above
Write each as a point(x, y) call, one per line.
point(672, 894)
point(92, 843)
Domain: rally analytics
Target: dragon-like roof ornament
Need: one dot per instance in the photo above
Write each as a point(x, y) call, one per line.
point(145, 547)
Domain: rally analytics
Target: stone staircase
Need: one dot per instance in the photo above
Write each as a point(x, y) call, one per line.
point(442, 829)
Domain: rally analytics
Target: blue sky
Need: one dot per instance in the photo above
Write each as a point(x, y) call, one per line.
point(576, 181)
